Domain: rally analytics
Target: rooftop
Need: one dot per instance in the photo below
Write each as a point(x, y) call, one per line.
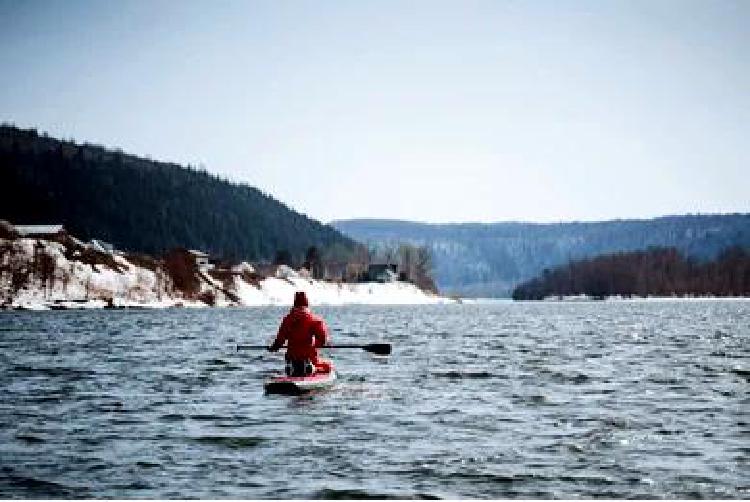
point(39, 229)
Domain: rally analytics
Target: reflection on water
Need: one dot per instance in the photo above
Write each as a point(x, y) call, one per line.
point(500, 400)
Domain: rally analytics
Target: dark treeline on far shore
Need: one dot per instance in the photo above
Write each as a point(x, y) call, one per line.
point(143, 205)
point(654, 272)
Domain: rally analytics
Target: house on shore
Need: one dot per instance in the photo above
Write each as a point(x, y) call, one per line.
point(382, 272)
point(55, 233)
point(242, 268)
point(202, 260)
point(101, 246)
point(189, 259)
point(46, 232)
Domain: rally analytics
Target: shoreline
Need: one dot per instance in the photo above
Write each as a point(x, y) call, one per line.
point(47, 275)
point(270, 292)
point(634, 299)
point(120, 304)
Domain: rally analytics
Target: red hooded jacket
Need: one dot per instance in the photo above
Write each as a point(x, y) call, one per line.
point(303, 332)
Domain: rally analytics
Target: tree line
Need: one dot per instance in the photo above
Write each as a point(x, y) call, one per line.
point(653, 272)
point(142, 205)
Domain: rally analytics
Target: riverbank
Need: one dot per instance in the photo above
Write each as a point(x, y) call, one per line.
point(270, 292)
point(45, 275)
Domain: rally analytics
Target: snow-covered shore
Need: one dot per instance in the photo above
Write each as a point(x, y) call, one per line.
point(41, 275)
point(273, 291)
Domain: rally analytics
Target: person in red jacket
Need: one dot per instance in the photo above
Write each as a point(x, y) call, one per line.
point(303, 332)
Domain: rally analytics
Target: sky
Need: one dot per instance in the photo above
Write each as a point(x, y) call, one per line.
point(420, 110)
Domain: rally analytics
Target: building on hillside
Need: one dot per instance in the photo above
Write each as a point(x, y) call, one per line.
point(202, 260)
point(189, 259)
point(242, 268)
point(382, 272)
point(55, 233)
point(47, 232)
point(101, 246)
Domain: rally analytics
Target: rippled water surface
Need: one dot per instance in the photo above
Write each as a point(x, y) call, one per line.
point(645, 399)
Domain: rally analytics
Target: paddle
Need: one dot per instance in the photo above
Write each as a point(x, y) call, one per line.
point(381, 349)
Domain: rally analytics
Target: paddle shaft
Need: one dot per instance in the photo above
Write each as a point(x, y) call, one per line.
point(375, 348)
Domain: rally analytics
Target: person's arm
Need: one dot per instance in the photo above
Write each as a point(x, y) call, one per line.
point(281, 337)
point(320, 330)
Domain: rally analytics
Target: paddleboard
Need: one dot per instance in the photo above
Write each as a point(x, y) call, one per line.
point(299, 385)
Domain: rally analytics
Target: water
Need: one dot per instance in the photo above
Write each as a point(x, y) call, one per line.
point(502, 400)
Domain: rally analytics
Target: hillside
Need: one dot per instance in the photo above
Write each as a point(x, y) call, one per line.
point(143, 205)
point(491, 259)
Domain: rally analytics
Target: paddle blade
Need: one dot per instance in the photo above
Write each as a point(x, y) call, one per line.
point(381, 349)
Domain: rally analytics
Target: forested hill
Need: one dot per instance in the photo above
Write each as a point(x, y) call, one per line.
point(491, 259)
point(143, 205)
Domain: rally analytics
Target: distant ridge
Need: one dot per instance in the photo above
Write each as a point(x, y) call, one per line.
point(148, 206)
point(489, 259)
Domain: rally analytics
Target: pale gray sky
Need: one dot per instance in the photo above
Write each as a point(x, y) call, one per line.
point(432, 111)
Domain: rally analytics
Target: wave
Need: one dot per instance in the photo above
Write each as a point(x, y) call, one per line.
point(233, 442)
point(463, 374)
point(354, 494)
point(30, 439)
point(29, 487)
point(70, 373)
